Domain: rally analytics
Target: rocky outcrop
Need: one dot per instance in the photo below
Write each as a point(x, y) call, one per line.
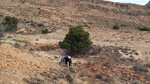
point(122, 5)
point(114, 10)
point(148, 4)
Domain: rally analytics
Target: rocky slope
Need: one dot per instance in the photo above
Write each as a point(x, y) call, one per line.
point(40, 64)
point(59, 14)
point(16, 65)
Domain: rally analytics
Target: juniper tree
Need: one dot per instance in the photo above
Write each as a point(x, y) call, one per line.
point(77, 40)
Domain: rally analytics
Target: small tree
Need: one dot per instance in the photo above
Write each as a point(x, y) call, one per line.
point(77, 40)
point(10, 23)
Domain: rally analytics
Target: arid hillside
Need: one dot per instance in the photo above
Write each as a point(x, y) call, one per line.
point(118, 56)
point(60, 14)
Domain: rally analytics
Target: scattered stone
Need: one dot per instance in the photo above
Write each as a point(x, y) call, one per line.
point(89, 76)
point(69, 78)
point(17, 45)
point(82, 74)
point(73, 69)
point(9, 37)
point(98, 76)
point(56, 57)
point(94, 69)
point(136, 53)
point(122, 59)
point(44, 73)
point(106, 64)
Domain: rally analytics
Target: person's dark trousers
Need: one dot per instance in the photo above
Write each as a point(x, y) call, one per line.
point(66, 61)
point(70, 62)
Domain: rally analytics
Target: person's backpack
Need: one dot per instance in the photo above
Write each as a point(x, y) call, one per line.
point(68, 57)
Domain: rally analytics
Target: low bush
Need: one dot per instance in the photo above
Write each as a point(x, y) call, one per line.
point(144, 29)
point(140, 68)
point(10, 24)
point(45, 31)
point(116, 27)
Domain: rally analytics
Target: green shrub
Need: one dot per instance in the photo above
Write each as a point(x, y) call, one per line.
point(10, 23)
point(77, 40)
point(116, 27)
point(144, 29)
point(45, 31)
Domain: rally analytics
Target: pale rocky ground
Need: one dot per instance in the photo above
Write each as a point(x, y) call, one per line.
point(133, 39)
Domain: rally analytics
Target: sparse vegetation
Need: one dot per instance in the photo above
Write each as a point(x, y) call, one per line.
point(86, 25)
point(144, 29)
point(10, 24)
point(116, 27)
point(77, 40)
point(17, 45)
point(140, 68)
point(45, 31)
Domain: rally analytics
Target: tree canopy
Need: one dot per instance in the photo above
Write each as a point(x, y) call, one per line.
point(76, 40)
